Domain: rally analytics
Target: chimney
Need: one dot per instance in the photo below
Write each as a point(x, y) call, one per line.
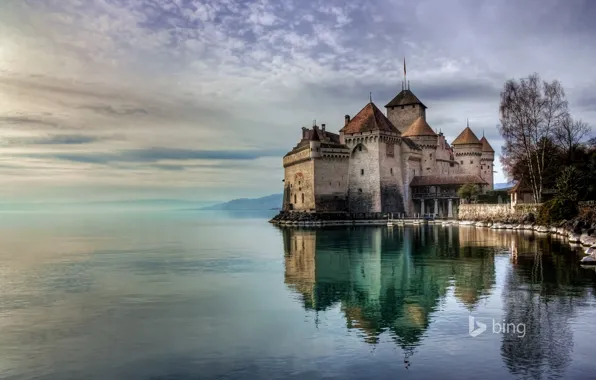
point(347, 120)
point(304, 133)
point(323, 127)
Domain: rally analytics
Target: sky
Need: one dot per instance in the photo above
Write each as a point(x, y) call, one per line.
point(199, 100)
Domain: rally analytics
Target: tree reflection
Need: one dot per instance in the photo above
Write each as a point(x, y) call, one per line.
point(540, 291)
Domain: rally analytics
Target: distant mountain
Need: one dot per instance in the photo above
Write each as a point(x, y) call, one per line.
point(269, 202)
point(502, 186)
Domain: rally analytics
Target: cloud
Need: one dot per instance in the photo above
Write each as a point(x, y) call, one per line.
point(54, 140)
point(24, 120)
point(110, 110)
point(158, 154)
point(227, 81)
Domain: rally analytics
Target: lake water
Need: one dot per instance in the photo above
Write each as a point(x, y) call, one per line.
point(197, 295)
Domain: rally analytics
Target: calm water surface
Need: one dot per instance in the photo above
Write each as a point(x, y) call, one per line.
point(197, 295)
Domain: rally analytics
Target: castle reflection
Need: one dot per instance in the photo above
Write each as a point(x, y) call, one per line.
point(394, 280)
point(389, 280)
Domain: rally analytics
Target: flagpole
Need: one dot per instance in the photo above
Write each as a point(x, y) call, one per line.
point(405, 76)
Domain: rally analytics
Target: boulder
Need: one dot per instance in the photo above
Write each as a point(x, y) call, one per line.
point(574, 238)
point(591, 250)
point(577, 226)
point(588, 260)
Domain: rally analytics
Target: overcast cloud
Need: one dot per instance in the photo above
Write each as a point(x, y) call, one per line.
point(113, 99)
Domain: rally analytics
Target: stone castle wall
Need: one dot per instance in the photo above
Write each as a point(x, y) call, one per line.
point(403, 118)
point(331, 183)
point(469, 157)
point(299, 180)
point(364, 177)
point(486, 168)
point(392, 186)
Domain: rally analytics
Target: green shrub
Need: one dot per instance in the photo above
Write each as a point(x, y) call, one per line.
point(557, 210)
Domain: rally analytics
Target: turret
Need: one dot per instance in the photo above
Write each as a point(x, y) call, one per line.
point(487, 163)
point(315, 143)
point(423, 135)
point(468, 152)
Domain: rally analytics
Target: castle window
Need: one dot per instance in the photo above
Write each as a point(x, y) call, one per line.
point(359, 190)
point(391, 170)
point(471, 162)
point(295, 199)
point(413, 105)
point(338, 183)
point(360, 148)
point(361, 171)
point(431, 156)
point(462, 162)
point(302, 197)
point(402, 107)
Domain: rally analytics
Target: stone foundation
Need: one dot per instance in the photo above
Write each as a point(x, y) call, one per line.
point(496, 212)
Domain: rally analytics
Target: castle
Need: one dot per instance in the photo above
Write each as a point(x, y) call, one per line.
point(379, 163)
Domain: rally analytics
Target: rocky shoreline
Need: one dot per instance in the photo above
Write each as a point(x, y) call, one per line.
point(580, 232)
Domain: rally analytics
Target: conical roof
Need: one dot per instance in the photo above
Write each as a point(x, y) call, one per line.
point(486, 146)
point(466, 137)
point(370, 118)
point(419, 128)
point(404, 98)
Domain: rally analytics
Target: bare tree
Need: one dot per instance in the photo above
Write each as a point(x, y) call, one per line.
point(570, 134)
point(531, 110)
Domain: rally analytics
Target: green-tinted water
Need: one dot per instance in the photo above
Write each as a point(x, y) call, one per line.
point(191, 295)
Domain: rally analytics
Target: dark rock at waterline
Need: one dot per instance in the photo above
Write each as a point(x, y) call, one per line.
point(588, 260)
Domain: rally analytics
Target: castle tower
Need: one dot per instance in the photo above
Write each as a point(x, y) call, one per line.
point(423, 135)
point(316, 173)
point(375, 176)
point(487, 163)
point(404, 109)
point(468, 151)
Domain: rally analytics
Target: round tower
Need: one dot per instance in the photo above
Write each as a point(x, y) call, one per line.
point(487, 163)
point(468, 152)
point(422, 134)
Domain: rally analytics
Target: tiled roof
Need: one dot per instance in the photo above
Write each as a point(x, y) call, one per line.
point(486, 146)
point(419, 128)
point(370, 118)
point(432, 180)
point(404, 98)
point(466, 137)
